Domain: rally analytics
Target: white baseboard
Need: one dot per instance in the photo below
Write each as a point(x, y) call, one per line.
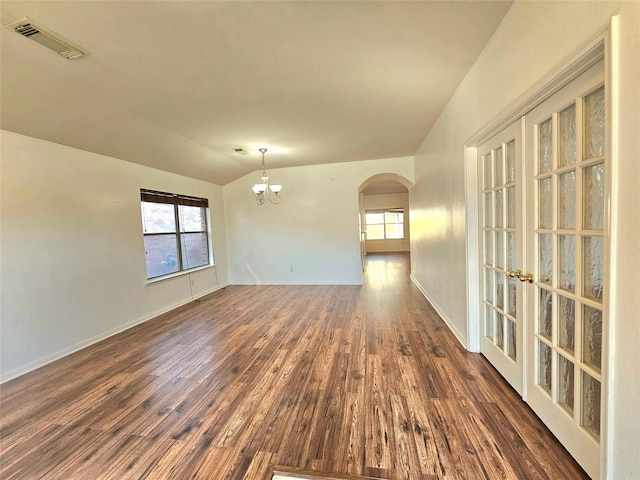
point(458, 334)
point(41, 362)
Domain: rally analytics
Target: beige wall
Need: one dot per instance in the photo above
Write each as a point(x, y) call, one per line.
point(73, 265)
point(313, 236)
point(533, 38)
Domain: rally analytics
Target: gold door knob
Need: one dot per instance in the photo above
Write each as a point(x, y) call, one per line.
point(526, 278)
point(515, 273)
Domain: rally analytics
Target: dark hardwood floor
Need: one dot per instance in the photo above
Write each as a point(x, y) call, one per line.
point(342, 379)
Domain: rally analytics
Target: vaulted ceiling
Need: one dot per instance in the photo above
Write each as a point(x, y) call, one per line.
point(178, 85)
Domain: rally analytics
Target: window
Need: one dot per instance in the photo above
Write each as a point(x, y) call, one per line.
point(385, 224)
point(176, 235)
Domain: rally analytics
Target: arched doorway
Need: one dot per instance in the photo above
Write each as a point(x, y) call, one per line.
point(384, 215)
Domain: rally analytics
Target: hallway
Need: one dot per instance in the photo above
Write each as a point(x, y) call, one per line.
point(342, 379)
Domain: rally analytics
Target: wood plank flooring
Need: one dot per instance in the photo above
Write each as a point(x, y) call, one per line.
point(352, 380)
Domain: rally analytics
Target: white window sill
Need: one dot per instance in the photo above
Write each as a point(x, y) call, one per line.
point(151, 281)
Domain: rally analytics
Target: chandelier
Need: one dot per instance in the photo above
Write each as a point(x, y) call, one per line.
point(263, 189)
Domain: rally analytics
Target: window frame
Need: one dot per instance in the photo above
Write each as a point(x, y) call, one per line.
point(384, 223)
point(177, 200)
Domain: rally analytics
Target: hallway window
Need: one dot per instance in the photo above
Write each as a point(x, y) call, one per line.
point(385, 224)
point(176, 233)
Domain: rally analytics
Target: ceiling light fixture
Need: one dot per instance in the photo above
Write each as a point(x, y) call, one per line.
point(263, 189)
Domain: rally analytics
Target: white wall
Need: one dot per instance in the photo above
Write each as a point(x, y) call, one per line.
point(532, 39)
point(382, 201)
point(73, 266)
point(312, 237)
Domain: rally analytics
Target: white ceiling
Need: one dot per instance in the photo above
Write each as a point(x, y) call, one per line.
point(178, 85)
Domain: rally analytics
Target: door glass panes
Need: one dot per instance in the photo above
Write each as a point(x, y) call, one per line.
point(511, 340)
point(511, 161)
point(499, 249)
point(567, 137)
point(568, 174)
point(499, 330)
point(487, 171)
point(567, 200)
point(511, 207)
point(567, 262)
point(488, 322)
point(545, 145)
point(500, 203)
point(592, 269)
point(488, 247)
point(544, 366)
point(590, 404)
point(499, 210)
point(566, 385)
point(594, 197)
point(545, 207)
point(499, 290)
point(594, 130)
point(566, 323)
point(591, 336)
point(511, 251)
point(488, 285)
point(488, 209)
point(497, 155)
point(545, 257)
point(545, 313)
point(512, 296)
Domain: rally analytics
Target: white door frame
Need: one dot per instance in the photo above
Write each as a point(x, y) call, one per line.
point(603, 44)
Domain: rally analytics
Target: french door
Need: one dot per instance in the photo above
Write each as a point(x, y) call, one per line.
point(502, 237)
point(544, 266)
point(566, 184)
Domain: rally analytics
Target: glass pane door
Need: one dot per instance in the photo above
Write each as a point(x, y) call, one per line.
point(501, 235)
point(566, 176)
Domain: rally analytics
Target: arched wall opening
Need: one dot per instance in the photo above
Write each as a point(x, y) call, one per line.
point(384, 214)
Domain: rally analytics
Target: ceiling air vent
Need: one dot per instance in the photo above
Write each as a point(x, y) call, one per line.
point(30, 29)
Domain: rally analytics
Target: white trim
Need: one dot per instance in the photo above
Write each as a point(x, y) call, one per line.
point(612, 75)
point(151, 281)
point(458, 334)
point(472, 249)
point(41, 362)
